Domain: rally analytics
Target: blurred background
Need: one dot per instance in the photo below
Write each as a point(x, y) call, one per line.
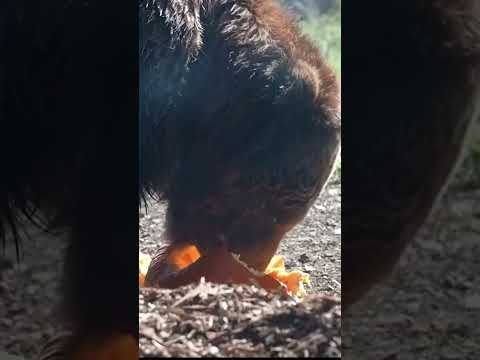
point(321, 20)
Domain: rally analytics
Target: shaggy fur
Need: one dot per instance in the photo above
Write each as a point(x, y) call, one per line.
point(239, 123)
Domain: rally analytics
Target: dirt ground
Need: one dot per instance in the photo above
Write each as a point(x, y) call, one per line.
point(211, 320)
point(29, 295)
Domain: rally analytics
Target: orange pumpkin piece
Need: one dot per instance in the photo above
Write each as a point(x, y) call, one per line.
point(221, 266)
point(293, 280)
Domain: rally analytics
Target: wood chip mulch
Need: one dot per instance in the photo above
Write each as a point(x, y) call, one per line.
point(211, 320)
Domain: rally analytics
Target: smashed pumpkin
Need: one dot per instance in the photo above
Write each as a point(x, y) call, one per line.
point(221, 266)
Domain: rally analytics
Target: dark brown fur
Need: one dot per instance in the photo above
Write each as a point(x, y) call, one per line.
point(67, 107)
point(412, 86)
point(253, 130)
